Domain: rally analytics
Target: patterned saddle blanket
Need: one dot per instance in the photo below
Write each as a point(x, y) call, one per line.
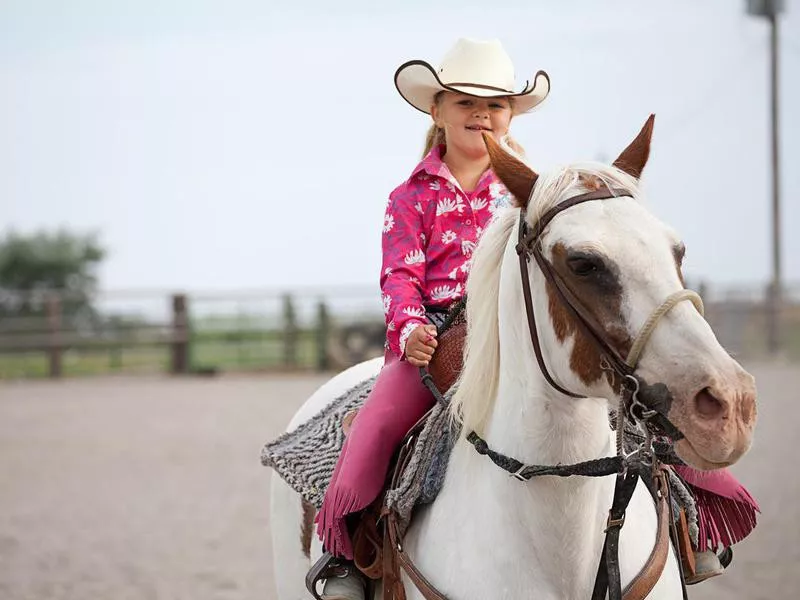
point(305, 458)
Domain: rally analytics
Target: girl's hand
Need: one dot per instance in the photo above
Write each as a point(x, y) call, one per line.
point(420, 345)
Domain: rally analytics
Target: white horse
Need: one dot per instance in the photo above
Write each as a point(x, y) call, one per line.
point(491, 536)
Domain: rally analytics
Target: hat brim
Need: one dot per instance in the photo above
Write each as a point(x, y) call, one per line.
point(418, 84)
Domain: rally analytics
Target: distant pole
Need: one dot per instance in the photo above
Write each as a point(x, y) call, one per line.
point(771, 9)
point(55, 348)
point(290, 333)
point(323, 336)
point(180, 335)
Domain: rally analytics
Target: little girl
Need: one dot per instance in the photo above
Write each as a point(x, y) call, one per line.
point(433, 221)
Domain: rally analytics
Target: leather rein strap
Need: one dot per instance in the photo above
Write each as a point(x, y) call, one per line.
point(608, 576)
point(422, 584)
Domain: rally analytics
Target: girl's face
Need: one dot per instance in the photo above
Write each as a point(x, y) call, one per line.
point(464, 118)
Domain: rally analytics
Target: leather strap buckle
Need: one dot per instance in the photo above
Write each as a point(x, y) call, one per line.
point(518, 474)
point(614, 523)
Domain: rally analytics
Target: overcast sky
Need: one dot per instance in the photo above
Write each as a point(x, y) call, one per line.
point(253, 143)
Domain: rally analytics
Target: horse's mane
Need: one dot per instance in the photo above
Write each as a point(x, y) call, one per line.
point(477, 387)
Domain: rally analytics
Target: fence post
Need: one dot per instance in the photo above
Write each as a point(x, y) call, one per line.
point(290, 333)
point(180, 335)
point(323, 335)
point(54, 348)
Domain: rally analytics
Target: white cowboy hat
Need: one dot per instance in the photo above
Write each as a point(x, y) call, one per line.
point(477, 68)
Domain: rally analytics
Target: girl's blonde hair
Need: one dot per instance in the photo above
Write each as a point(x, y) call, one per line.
point(436, 137)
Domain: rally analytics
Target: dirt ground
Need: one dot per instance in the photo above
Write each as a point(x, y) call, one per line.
point(151, 488)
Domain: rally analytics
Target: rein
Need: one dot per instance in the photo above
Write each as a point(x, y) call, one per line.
point(627, 468)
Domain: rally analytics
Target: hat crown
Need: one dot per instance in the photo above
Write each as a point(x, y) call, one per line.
point(478, 62)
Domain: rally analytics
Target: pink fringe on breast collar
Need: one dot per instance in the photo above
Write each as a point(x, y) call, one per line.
point(726, 512)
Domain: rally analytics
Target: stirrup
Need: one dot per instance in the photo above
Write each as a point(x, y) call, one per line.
point(319, 571)
point(726, 557)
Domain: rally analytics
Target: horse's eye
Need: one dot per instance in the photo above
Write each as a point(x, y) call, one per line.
point(583, 266)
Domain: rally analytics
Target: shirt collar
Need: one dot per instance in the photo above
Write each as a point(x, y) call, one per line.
point(433, 165)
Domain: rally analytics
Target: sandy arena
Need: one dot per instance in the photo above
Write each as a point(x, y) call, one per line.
point(151, 488)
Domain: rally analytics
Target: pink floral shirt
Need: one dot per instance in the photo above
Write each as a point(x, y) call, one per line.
point(430, 229)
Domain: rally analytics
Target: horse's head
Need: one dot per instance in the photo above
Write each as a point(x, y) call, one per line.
point(605, 268)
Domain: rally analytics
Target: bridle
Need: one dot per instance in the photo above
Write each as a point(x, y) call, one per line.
point(529, 244)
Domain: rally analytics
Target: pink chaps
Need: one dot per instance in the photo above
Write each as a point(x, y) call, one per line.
point(397, 401)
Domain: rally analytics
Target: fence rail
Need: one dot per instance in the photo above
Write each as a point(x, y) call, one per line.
point(197, 333)
point(119, 332)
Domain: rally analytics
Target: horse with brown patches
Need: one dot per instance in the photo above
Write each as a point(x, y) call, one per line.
point(576, 301)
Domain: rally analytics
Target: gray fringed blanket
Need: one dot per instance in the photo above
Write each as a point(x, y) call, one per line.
point(306, 456)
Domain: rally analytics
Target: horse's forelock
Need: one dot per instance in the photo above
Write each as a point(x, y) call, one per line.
point(553, 188)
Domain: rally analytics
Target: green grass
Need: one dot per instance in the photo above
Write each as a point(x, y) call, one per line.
point(209, 350)
point(86, 362)
point(251, 351)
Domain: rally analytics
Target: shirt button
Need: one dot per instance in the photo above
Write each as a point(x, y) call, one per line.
point(468, 222)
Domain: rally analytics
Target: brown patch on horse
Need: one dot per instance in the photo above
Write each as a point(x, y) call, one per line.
point(584, 360)
point(601, 297)
point(634, 157)
point(307, 527)
point(518, 177)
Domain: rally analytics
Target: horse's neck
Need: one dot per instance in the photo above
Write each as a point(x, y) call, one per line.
point(538, 425)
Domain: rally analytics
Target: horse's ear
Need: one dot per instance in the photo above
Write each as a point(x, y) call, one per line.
point(634, 157)
point(518, 177)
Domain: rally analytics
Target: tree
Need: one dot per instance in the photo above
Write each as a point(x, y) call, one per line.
point(33, 265)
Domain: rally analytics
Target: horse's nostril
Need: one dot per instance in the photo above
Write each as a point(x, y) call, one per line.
point(748, 404)
point(708, 405)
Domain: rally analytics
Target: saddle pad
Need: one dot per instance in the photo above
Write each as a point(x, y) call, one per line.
point(423, 478)
point(305, 457)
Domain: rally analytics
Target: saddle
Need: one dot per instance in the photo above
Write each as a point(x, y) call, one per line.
point(448, 360)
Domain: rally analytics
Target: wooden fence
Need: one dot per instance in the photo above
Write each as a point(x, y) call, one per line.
point(183, 339)
point(180, 344)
